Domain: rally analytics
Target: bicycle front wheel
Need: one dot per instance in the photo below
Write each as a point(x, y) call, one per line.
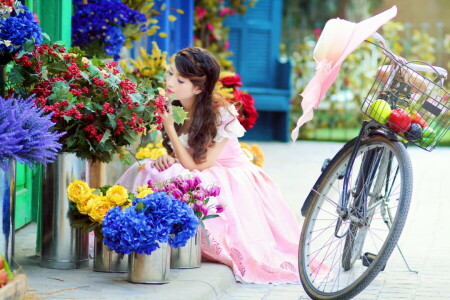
point(341, 253)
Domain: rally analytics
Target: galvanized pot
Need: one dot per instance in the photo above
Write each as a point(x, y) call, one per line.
point(153, 268)
point(62, 246)
point(7, 198)
point(188, 256)
point(106, 260)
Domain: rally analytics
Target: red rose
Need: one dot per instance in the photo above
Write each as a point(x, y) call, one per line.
point(231, 80)
point(245, 104)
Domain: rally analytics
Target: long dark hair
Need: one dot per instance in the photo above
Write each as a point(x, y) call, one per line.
point(203, 70)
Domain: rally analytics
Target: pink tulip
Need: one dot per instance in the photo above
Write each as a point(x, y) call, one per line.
point(186, 198)
point(226, 45)
point(220, 208)
point(177, 194)
point(213, 191)
point(210, 26)
point(198, 195)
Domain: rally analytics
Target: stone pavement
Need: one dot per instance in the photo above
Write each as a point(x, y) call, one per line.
point(294, 167)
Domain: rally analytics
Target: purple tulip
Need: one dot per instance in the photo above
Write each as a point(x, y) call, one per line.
point(183, 186)
point(199, 195)
point(151, 183)
point(197, 181)
point(213, 191)
point(220, 208)
point(177, 194)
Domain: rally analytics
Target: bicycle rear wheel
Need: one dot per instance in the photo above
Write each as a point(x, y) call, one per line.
point(334, 247)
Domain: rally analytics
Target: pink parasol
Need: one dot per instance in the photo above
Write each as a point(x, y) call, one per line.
point(339, 38)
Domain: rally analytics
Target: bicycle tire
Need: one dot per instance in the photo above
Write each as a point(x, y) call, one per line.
point(317, 198)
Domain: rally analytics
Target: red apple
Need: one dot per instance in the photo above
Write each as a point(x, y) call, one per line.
point(399, 120)
point(3, 277)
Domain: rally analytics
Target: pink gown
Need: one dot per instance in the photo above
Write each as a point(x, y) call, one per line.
point(256, 235)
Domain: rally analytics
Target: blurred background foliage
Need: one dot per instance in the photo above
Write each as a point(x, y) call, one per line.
point(338, 116)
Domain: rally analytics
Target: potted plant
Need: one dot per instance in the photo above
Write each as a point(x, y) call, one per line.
point(190, 190)
point(26, 136)
point(89, 207)
point(145, 230)
point(100, 111)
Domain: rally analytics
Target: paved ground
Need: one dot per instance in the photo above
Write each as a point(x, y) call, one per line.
point(295, 167)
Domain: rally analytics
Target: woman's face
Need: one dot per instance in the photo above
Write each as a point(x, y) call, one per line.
point(181, 88)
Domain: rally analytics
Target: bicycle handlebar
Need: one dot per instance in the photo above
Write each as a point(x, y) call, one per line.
point(416, 67)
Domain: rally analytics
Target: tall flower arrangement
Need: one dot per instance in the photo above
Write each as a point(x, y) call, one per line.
point(156, 218)
point(18, 26)
point(26, 133)
point(97, 106)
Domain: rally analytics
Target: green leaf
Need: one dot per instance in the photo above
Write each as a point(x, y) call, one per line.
point(209, 217)
point(106, 136)
point(139, 206)
point(46, 36)
point(60, 90)
point(125, 158)
point(179, 114)
point(15, 75)
point(104, 189)
point(28, 46)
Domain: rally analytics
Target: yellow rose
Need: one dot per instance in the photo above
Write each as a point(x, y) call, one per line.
point(86, 206)
point(117, 195)
point(143, 153)
point(99, 209)
point(79, 191)
point(144, 193)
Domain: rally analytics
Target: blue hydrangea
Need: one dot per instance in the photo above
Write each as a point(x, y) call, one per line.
point(26, 133)
point(157, 218)
point(102, 22)
point(16, 27)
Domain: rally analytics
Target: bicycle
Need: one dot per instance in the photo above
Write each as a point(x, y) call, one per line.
point(356, 210)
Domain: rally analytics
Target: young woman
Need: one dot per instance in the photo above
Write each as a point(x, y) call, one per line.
point(256, 235)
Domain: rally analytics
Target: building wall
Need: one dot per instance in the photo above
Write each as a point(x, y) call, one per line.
point(417, 12)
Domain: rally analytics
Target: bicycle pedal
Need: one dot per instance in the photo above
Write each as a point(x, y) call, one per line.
point(368, 258)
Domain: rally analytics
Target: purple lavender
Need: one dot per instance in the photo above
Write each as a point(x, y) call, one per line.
point(26, 133)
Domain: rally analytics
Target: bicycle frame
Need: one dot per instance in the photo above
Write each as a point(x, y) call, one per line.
point(371, 162)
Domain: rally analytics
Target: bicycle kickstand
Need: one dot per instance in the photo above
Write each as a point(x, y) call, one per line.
point(404, 260)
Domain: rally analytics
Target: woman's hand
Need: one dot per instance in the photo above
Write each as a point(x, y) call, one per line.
point(168, 118)
point(163, 162)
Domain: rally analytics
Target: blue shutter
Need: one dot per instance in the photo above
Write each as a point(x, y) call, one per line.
point(254, 40)
point(180, 33)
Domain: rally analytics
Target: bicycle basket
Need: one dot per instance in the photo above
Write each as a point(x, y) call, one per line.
point(409, 104)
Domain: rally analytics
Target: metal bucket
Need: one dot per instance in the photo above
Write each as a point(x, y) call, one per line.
point(62, 246)
point(153, 268)
point(188, 256)
point(106, 260)
point(7, 198)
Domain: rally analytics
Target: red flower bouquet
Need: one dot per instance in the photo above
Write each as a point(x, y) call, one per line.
point(228, 86)
point(94, 103)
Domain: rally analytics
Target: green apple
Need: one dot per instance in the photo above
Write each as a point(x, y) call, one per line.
point(428, 133)
point(380, 111)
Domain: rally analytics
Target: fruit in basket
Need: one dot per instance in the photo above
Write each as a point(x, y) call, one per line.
point(417, 82)
point(428, 133)
point(416, 118)
point(414, 133)
point(379, 110)
point(399, 120)
point(3, 277)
